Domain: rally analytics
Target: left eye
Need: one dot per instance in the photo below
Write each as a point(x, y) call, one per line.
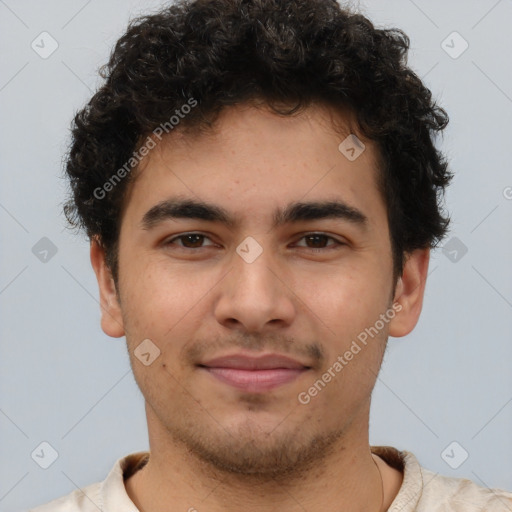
point(320, 238)
point(194, 240)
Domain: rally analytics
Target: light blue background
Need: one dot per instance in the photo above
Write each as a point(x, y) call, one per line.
point(63, 381)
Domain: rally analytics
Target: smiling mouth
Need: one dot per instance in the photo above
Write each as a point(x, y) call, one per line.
point(254, 375)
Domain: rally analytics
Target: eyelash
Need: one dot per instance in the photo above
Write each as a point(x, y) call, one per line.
point(322, 249)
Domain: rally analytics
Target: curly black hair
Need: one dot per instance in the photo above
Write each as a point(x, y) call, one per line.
point(293, 53)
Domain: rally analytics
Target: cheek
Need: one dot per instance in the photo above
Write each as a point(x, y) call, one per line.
point(160, 300)
point(348, 301)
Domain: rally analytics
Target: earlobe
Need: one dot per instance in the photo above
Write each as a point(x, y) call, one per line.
point(409, 293)
point(111, 317)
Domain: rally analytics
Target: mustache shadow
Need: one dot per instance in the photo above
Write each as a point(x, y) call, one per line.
point(196, 351)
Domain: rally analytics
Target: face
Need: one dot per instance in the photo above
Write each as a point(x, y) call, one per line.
point(248, 272)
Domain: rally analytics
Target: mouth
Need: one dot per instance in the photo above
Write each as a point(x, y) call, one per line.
point(254, 375)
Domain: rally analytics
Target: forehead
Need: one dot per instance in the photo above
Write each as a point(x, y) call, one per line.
point(254, 161)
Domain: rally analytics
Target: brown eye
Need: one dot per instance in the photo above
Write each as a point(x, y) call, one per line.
point(189, 240)
point(319, 241)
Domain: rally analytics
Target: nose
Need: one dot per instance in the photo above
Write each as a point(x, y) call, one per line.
point(254, 296)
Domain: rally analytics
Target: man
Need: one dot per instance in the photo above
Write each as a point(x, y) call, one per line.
point(261, 189)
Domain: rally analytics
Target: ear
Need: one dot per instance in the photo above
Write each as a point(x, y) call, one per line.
point(111, 317)
point(409, 293)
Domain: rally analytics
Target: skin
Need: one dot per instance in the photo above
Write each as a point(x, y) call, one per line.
point(214, 447)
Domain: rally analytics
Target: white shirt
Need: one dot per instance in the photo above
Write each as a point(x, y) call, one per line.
point(421, 491)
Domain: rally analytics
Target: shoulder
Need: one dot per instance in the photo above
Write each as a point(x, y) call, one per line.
point(84, 500)
point(108, 496)
point(443, 494)
point(423, 490)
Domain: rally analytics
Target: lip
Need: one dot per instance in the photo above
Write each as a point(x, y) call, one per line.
point(254, 374)
point(242, 361)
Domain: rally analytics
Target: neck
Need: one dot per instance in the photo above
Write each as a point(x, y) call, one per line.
point(347, 478)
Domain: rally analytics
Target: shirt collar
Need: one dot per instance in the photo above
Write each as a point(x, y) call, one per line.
point(113, 493)
point(411, 489)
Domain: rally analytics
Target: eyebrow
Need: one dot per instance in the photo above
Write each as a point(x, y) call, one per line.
point(175, 208)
